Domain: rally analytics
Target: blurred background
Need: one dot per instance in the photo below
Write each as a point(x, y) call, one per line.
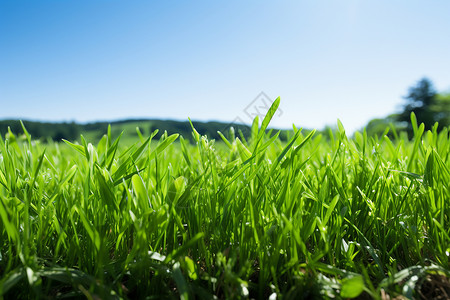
point(90, 63)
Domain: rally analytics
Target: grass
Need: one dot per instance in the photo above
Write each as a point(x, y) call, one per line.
point(315, 217)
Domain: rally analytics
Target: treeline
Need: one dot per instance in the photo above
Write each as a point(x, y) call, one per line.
point(205, 128)
point(430, 107)
point(43, 130)
point(72, 130)
point(184, 128)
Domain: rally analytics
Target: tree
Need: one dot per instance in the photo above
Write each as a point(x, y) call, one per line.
point(378, 126)
point(441, 109)
point(420, 101)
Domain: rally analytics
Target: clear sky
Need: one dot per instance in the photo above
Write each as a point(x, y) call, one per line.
point(87, 60)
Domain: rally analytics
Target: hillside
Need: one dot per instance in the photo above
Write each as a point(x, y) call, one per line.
point(94, 131)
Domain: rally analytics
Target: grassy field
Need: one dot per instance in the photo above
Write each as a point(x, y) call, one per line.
point(315, 217)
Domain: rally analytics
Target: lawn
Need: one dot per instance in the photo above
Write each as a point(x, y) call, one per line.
point(318, 216)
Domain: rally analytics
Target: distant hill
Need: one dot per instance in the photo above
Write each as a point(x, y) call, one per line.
point(94, 131)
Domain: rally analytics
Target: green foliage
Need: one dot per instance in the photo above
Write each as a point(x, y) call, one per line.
point(441, 109)
point(384, 126)
point(428, 106)
point(54, 131)
point(252, 217)
point(94, 131)
point(419, 100)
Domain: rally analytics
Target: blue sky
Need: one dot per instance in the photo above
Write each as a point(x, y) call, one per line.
point(105, 60)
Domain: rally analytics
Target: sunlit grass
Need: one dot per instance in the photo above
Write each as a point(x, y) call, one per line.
point(317, 216)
